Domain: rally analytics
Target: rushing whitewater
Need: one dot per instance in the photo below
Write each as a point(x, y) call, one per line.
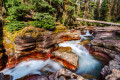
point(31, 67)
point(87, 63)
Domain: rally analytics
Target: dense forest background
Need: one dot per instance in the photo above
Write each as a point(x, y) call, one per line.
point(44, 13)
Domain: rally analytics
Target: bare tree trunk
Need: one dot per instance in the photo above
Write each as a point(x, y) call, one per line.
point(95, 21)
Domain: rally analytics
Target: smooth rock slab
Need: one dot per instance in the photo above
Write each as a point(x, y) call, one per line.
point(67, 54)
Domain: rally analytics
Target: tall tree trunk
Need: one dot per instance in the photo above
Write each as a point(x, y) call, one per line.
point(65, 11)
point(1, 11)
point(115, 11)
point(86, 9)
point(99, 8)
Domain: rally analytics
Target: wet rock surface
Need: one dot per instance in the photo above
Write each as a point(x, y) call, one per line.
point(65, 74)
point(115, 75)
point(113, 64)
point(107, 42)
point(5, 77)
point(34, 77)
point(67, 54)
point(62, 74)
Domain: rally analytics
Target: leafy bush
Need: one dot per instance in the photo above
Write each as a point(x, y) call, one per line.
point(118, 21)
point(42, 6)
point(16, 12)
point(15, 26)
point(57, 1)
point(44, 20)
point(35, 24)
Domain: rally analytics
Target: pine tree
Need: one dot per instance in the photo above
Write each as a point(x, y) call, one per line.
point(105, 10)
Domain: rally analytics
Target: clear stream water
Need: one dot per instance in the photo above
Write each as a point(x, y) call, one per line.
point(87, 63)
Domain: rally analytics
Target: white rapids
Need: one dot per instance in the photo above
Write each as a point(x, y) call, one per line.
point(31, 67)
point(87, 63)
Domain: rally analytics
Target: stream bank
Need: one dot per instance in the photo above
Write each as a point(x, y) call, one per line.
point(107, 42)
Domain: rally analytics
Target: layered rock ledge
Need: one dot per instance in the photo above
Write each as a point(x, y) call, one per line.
point(107, 43)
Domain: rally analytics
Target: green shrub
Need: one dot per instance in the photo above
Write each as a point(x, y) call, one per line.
point(16, 12)
point(15, 26)
point(57, 1)
point(42, 6)
point(36, 24)
point(118, 21)
point(44, 20)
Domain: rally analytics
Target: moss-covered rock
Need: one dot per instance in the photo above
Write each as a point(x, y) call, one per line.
point(35, 39)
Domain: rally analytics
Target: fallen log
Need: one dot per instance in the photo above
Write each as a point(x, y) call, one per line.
point(96, 21)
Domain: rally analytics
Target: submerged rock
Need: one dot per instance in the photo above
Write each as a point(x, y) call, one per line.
point(5, 77)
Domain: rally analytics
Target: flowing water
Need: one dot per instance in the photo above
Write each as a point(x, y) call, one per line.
point(31, 67)
point(87, 63)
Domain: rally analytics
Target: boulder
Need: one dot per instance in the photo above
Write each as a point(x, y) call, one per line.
point(33, 77)
point(65, 74)
point(108, 43)
point(115, 75)
point(5, 77)
point(113, 64)
point(67, 54)
point(103, 50)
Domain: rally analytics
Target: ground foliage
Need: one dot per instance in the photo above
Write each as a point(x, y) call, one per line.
point(46, 12)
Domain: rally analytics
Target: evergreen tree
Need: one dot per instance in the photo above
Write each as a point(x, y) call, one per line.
point(105, 11)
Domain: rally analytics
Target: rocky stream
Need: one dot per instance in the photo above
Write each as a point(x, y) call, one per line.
point(88, 53)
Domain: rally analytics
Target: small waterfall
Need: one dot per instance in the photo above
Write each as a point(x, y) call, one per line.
point(87, 63)
point(85, 36)
point(31, 67)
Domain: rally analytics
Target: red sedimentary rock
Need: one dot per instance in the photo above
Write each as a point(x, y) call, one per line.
point(38, 56)
point(65, 63)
